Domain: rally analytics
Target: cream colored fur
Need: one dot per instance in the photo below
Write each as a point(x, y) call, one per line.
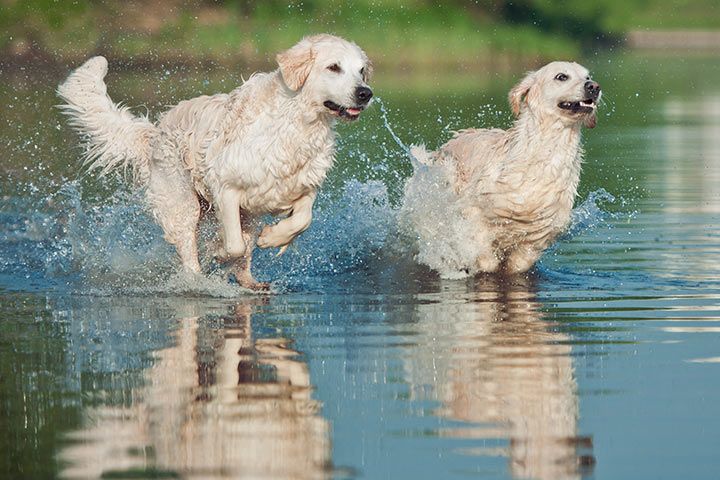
point(514, 190)
point(263, 148)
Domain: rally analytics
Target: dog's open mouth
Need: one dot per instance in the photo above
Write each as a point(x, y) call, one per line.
point(349, 113)
point(583, 106)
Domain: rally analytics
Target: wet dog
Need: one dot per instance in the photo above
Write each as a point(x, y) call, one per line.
point(263, 148)
point(511, 190)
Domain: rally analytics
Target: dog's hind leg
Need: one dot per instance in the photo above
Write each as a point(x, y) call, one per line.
point(228, 206)
point(187, 248)
point(176, 208)
point(241, 267)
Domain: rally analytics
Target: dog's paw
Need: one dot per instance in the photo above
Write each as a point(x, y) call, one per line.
point(256, 286)
point(270, 237)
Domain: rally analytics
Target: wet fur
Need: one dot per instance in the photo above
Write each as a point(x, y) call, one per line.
point(515, 188)
point(263, 148)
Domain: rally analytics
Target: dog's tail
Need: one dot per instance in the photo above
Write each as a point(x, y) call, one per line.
point(113, 137)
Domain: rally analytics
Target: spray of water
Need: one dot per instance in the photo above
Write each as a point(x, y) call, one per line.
point(386, 124)
point(432, 210)
point(109, 246)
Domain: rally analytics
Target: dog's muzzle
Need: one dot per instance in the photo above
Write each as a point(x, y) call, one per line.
point(362, 98)
point(588, 104)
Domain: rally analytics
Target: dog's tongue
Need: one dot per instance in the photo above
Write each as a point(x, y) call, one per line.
point(353, 111)
point(591, 121)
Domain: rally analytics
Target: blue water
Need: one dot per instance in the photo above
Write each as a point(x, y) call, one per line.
point(601, 363)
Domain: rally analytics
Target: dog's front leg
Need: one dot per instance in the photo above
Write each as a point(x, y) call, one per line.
point(229, 216)
point(285, 231)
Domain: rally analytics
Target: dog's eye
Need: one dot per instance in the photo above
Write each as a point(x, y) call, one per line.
point(362, 72)
point(561, 76)
point(335, 68)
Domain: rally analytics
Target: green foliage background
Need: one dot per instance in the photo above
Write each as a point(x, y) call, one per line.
point(417, 33)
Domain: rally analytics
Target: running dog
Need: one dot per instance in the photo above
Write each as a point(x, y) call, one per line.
point(513, 189)
point(263, 148)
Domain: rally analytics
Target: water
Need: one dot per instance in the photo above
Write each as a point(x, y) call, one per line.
point(602, 363)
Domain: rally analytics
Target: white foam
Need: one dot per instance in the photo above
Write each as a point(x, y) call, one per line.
point(440, 227)
point(435, 220)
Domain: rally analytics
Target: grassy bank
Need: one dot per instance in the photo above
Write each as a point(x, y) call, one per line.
point(397, 34)
point(414, 34)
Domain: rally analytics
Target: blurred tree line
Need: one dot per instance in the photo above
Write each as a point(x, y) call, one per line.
point(34, 24)
point(586, 20)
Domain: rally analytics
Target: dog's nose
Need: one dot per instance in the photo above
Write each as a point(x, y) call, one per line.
point(363, 94)
point(592, 89)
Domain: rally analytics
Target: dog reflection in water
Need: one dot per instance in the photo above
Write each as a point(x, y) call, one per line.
point(508, 373)
point(217, 404)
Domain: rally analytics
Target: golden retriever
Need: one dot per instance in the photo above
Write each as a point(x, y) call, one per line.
point(263, 148)
point(510, 192)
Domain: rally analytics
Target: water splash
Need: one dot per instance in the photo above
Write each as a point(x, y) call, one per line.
point(108, 243)
point(589, 214)
point(432, 210)
point(386, 123)
point(347, 232)
point(439, 227)
point(62, 241)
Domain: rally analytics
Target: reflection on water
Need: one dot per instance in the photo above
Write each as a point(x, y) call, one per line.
point(218, 403)
point(681, 229)
point(691, 142)
point(497, 363)
point(603, 366)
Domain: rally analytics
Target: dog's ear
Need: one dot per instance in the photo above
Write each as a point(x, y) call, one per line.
point(296, 63)
point(519, 92)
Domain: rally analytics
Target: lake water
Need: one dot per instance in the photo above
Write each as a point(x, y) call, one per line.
point(604, 362)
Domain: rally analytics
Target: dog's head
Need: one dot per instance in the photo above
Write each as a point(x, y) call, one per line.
point(332, 74)
point(562, 90)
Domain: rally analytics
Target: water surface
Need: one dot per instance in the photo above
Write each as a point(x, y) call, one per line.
point(602, 363)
